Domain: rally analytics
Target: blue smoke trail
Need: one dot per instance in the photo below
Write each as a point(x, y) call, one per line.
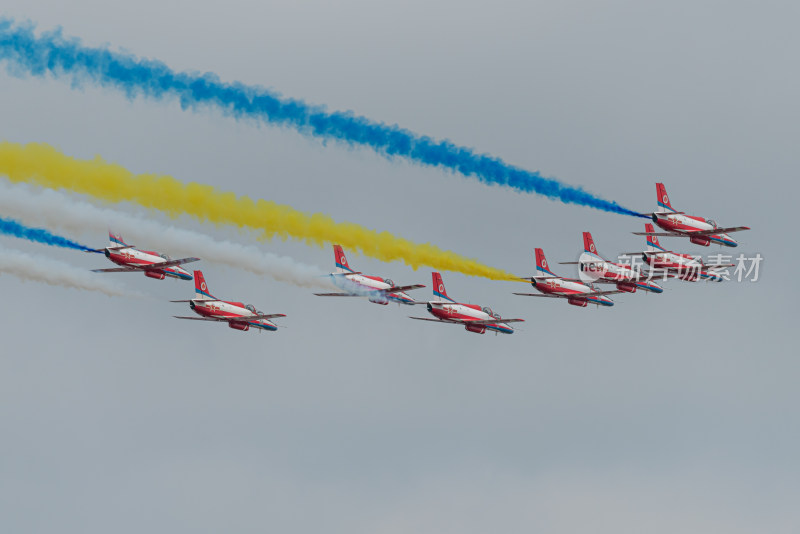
point(38, 235)
point(60, 56)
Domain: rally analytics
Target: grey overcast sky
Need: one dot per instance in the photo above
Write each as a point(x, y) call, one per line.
point(666, 413)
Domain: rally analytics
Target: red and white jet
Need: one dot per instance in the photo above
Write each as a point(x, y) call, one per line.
point(355, 284)
point(575, 291)
point(674, 265)
point(699, 230)
point(152, 264)
point(239, 316)
point(471, 316)
point(594, 267)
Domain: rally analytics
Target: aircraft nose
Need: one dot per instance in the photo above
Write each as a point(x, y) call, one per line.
point(729, 241)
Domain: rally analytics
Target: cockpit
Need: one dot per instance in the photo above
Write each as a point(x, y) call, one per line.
point(389, 281)
point(487, 310)
point(711, 222)
point(251, 308)
point(165, 257)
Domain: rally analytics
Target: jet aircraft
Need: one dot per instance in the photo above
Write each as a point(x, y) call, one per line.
point(355, 284)
point(673, 265)
point(596, 268)
point(239, 316)
point(471, 316)
point(574, 291)
point(152, 264)
point(699, 230)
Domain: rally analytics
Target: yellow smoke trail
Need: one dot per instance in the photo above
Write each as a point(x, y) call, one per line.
point(43, 165)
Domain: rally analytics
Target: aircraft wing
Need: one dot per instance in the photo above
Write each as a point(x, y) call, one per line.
point(465, 322)
point(573, 296)
point(171, 263)
point(152, 267)
point(367, 292)
point(696, 232)
point(649, 252)
point(720, 230)
point(260, 316)
point(543, 295)
point(401, 288)
point(232, 319)
point(447, 321)
point(597, 293)
point(117, 270)
point(493, 321)
point(664, 234)
point(630, 280)
point(535, 278)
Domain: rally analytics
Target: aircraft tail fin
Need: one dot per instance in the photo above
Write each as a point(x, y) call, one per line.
point(542, 268)
point(588, 245)
point(439, 292)
point(115, 240)
point(341, 260)
point(663, 200)
point(652, 241)
point(200, 287)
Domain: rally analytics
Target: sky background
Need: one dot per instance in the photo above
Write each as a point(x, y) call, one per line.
point(665, 413)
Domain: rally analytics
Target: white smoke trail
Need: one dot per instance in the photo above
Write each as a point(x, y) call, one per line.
point(349, 286)
point(41, 269)
point(53, 209)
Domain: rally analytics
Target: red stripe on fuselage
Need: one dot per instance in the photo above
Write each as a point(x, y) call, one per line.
point(562, 290)
point(676, 226)
point(205, 311)
point(123, 261)
point(448, 314)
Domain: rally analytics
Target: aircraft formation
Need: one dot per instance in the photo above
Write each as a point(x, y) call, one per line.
point(594, 269)
point(40, 164)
